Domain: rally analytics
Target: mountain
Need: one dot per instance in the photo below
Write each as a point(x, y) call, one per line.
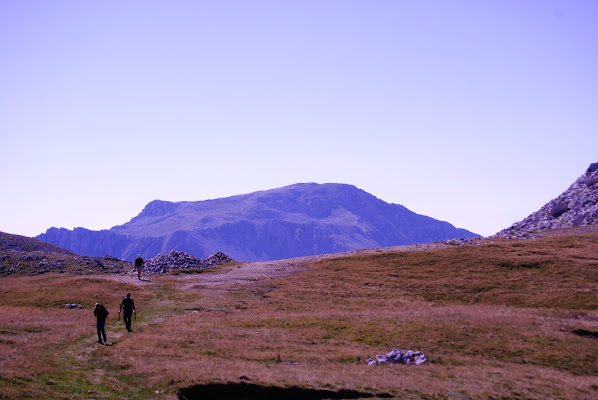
point(577, 206)
point(297, 220)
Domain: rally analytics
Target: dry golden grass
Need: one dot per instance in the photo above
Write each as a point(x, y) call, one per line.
point(496, 321)
point(35, 326)
point(552, 272)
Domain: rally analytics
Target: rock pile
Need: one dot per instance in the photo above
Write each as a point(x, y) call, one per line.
point(514, 235)
point(577, 206)
point(463, 242)
point(396, 356)
point(163, 263)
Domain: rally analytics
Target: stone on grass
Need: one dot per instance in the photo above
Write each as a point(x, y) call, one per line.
point(396, 356)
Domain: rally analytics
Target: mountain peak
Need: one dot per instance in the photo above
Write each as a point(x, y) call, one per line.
point(157, 208)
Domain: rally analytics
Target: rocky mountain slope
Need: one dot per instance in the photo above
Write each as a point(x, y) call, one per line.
point(297, 220)
point(24, 256)
point(577, 206)
point(17, 243)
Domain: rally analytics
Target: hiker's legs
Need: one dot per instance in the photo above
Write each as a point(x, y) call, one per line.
point(139, 273)
point(101, 331)
point(127, 320)
point(99, 328)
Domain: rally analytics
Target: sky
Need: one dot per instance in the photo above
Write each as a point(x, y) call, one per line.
point(472, 112)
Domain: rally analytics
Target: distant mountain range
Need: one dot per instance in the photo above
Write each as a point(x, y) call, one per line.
point(297, 220)
point(576, 206)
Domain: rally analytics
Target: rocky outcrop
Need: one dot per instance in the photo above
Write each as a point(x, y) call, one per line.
point(164, 263)
point(577, 206)
point(397, 356)
point(293, 221)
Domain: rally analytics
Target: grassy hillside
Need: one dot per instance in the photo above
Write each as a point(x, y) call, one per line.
point(10, 242)
point(509, 319)
point(24, 256)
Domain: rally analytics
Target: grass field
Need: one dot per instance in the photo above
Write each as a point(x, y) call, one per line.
point(511, 319)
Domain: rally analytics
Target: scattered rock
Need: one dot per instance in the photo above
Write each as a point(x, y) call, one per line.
point(73, 305)
point(396, 356)
point(515, 235)
point(163, 263)
point(31, 258)
point(463, 242)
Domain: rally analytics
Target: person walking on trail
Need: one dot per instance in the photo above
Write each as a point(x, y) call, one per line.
point(101, 313)
point(139, 265)
point(128, 306)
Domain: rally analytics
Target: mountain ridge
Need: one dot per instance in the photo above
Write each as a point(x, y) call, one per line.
point(295, 220)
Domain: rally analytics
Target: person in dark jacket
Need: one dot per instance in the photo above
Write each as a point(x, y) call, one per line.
point(139, 265)
point(128, 306)
point(101, 313)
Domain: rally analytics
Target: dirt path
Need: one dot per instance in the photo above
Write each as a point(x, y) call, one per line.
point(258, 271)
point(250, 272)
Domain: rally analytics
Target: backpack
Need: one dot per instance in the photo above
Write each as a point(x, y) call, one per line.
point(103, 311)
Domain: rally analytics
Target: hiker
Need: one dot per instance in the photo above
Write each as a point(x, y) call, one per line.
point(101, 313)
point(139, 265)
point(128, 305)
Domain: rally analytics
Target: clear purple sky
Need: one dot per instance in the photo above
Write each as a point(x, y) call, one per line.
point(473, 112)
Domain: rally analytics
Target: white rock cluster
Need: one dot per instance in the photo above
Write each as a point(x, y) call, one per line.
point(396, 356)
